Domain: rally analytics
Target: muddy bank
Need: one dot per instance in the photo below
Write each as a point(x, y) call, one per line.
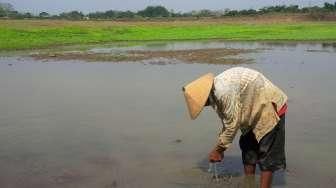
point(207, 56)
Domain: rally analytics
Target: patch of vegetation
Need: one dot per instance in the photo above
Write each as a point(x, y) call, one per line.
point(23, 35)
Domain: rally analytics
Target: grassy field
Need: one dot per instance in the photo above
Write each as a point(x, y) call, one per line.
point(32, 34)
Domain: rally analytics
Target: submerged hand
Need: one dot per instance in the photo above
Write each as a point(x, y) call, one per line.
point(216, 155)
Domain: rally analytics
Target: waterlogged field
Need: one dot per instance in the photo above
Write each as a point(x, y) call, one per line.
point(30, 34)
point(72, 122)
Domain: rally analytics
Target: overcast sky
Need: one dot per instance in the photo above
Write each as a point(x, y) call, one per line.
point(57, 6)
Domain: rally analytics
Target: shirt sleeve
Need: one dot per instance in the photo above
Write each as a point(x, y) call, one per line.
point(230, 111)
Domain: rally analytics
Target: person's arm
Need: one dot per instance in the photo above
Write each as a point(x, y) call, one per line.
point(230, 116)
point(231, 113)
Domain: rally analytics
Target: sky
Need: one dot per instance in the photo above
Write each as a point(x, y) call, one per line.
point(58, 6)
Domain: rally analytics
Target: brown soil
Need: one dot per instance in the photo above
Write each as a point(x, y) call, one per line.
point(207, 56)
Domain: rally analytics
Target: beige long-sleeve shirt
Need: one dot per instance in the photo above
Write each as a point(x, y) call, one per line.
point(245, 100)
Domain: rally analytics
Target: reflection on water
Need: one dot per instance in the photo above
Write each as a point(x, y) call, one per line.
point(77, 124)
point(329, 45)
point(194, 45)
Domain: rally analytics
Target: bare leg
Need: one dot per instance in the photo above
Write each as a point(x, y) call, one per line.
point(249, 170)
point(266, 179)
point(249, 179)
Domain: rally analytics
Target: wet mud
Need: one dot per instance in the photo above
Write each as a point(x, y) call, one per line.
point(206, 56)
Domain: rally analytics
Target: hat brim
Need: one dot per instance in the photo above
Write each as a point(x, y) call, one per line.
point(196, 94)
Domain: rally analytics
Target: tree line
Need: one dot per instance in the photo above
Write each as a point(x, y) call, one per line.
point(8, 11)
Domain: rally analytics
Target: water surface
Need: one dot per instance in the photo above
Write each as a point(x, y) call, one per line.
point(78, 124)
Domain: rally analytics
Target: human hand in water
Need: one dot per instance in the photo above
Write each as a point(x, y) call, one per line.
point(216, 155)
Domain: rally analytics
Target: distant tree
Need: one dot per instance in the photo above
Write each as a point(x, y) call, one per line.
point(5, 9)
point(232, 13)
point(28, 15)
point(187, 14)
point(14, 14)
point(110, 14)
point(96, 15)
point(293, 8)
point(305, 9)
point(154, 11)
point(218, 13)
point(44, 15)
point(125, 14)
point(73, 15)
point(329, 7)
point(316, 12)
point(2, 12)
point(194, 13)
point(205, 13)
point(272, 9)
point(55, 17)
point(175, 14)
point(247, 12)
point(283, 9)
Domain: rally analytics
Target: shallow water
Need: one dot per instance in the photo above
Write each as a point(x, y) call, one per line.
point(77, 124)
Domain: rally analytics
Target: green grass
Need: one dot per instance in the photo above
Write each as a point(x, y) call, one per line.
point(21, 36)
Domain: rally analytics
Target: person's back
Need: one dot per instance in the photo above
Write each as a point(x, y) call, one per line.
point(248, 98)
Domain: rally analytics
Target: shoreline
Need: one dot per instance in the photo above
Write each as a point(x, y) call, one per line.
point(271, 41)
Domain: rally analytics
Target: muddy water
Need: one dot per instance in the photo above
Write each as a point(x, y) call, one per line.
point(77, 124)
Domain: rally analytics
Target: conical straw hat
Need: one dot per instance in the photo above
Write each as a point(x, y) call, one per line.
point(196, 94)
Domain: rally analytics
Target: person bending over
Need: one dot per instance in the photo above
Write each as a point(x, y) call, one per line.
point(244, 99)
